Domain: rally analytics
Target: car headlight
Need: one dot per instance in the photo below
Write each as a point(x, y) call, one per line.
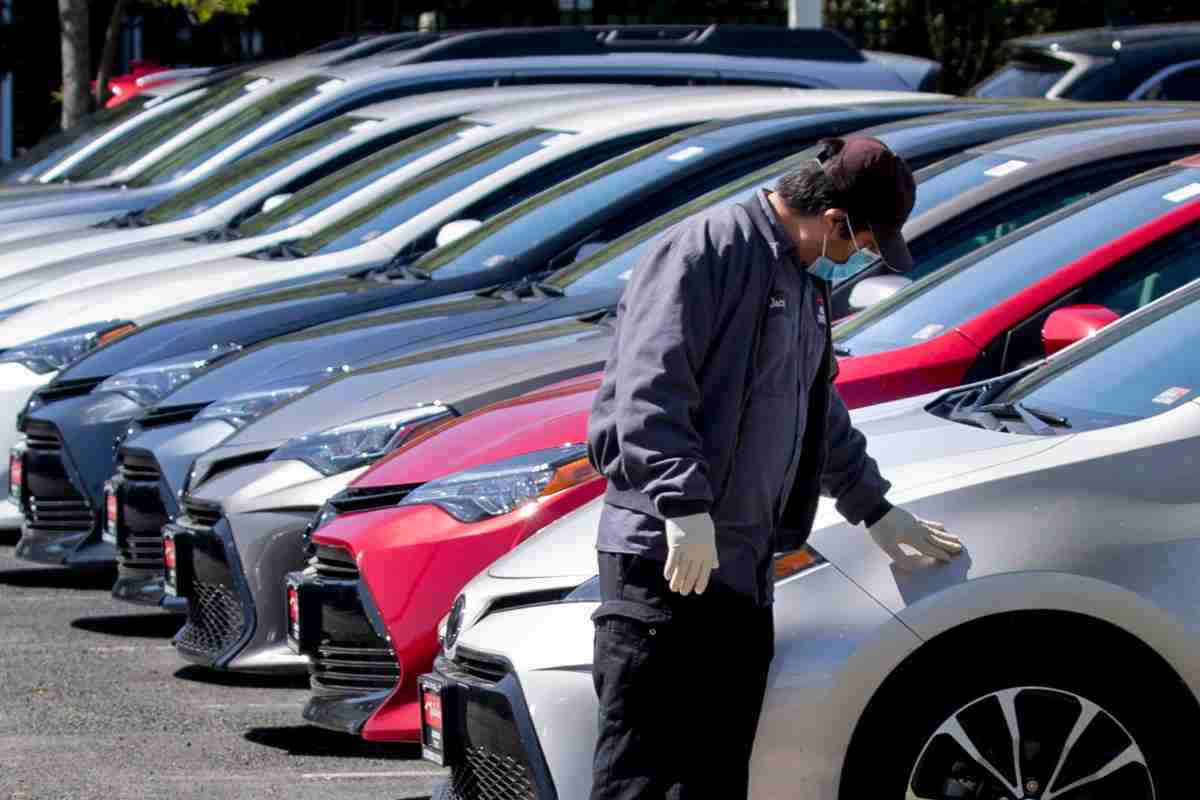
point(358, 443)
point(242, 409)
point(52, 353)
point(151, 383)
point(501, 487)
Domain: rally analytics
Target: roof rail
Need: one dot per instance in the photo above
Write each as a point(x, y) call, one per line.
point(764, 41)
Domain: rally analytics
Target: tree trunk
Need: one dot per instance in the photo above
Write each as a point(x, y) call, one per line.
point(76, 61)
point(112, 36)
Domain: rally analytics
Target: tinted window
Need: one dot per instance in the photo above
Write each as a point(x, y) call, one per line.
point(54, 149)
point(948, 179)
point(1128, 372)
point(425, 190)
point(233, 178)
point(149, 136)
point(216, 139)
point(1181, 85)
point(961, 291)
point(343, 183)
point(1018, 79)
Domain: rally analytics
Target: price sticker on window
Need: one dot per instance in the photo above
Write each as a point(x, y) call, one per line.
point(1169, 397)
point(1007, 168)
point(1183, 193)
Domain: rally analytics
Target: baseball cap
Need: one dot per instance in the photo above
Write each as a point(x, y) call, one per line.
point(879, 186)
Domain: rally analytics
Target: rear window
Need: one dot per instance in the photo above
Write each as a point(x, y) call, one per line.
point(1022, 79)
point(949, 297)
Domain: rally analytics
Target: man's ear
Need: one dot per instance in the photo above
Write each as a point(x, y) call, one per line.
point(834, 220)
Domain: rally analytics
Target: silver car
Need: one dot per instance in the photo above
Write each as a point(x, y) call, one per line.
point(1057, 658)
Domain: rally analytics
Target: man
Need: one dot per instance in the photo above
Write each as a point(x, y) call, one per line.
point(717, 426)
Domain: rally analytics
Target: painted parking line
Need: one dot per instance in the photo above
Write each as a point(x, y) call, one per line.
point(353, 776)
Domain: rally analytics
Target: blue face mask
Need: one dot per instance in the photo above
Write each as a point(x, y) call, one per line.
point(828, 269)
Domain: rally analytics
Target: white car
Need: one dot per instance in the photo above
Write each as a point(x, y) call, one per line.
point(1057, 658)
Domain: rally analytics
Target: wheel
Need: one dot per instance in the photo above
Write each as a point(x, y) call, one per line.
point(1064, 717)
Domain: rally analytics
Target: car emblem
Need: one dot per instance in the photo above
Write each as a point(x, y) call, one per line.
point(454, 622)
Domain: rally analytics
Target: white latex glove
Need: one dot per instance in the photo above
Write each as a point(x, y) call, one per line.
point(691, 553)
point(899, 527)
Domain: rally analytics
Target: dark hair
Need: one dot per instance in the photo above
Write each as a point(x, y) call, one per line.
point(809, 190)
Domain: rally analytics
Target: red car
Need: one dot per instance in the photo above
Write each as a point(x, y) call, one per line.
point(394, 550)
point(1027, 294)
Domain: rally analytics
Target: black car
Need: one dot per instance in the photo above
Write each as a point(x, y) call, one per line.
point(1150, 62)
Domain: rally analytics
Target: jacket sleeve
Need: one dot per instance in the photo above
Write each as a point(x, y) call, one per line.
point(851, 476)
point(666, 322)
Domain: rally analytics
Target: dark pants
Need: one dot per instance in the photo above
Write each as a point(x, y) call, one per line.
point(680, 682)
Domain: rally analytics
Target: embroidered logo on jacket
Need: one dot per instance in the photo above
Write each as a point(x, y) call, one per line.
point(777, 301)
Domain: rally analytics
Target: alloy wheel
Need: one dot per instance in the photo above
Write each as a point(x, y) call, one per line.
point(1031, 743)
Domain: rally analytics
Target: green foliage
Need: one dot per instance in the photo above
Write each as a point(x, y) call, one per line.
point(203, 10)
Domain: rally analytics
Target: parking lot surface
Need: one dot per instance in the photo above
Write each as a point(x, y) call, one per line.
point(95, 703)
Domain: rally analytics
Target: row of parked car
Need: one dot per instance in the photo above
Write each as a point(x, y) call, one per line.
point(308, 347)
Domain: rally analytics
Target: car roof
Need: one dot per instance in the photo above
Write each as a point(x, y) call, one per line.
point(1087, 141)
point(403, 106)
point(1099, 41)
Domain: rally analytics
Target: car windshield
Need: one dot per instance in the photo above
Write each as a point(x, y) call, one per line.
point(142, 140)
point(955, 294)
point(424, 191)
point(233, 178)
point(218, 138)
point(1126, 372)
point(948, 179)
point(526, 227)
point(55, 149)
point(339, 185)
point(1022, 79)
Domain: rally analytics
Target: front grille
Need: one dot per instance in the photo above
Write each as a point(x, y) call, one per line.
point(480, 665)
point(354, 667)
point(205, 515)
point(59, 515)
point(334, 563)
point(486, 775)
point(134, 467)
point(369, 497)
point(216, 620)
point(59, 390)
point(46, 440)
point(143, 514)
point(160, 416)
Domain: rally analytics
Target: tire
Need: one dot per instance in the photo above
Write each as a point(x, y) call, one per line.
point(1051, 682)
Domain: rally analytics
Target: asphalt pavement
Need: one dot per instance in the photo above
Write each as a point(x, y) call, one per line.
point(95, 703)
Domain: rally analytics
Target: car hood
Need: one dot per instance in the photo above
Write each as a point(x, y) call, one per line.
point(913, 448)
point(111, 200)
point(314, 354)
point(464, 377)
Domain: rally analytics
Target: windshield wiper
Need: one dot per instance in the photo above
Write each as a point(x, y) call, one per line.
point(1039, 420)
point(524, 288)
point(407, 272)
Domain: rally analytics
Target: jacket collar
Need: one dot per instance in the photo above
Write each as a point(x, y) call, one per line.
point(768, 224)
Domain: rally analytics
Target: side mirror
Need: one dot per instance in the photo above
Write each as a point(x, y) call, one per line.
point(870, 291)
point(455, 230)
point(274, 201)
point(1066, 326)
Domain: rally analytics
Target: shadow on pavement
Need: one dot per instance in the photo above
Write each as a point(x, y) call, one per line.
point(9, 537)
point(143, 626)
point(215, 677)
point(59, 578)
point(308, 740)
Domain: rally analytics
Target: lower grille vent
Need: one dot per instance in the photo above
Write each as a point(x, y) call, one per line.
point(354, 668)
point(59, 515)
point(216, 620)
point(487, 775)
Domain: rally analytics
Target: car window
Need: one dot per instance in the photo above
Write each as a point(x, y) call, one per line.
point(955, 294)
point(952, 177)
point(233, 178)
point(1129, 372)
point(54, 149)
point(216, 139)
point(343, 183)
point(1022, 79)
point(142, 140)
point(1183, 84)
point(605, 188)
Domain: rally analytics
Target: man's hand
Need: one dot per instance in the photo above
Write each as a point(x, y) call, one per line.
point(899, 527)
point(691, 553)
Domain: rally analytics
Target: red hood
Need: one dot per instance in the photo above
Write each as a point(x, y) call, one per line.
point(549, 417)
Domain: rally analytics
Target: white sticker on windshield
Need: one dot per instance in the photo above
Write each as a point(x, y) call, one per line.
point(329, 86)
point(1183, 193)
point(1008, 167)
point(365, 125)
point(1171, 396)
point(557, 139)
point(473, 131)
point(254, 86)
point(929, 331)
point(626, 275)
point(685, 153)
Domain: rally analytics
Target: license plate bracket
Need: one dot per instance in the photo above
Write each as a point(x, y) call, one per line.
point(439, 736)
point(177, 572)
point(304, 630)
point(111, 532)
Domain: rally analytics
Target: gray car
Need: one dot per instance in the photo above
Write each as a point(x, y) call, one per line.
point(1065, 482)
